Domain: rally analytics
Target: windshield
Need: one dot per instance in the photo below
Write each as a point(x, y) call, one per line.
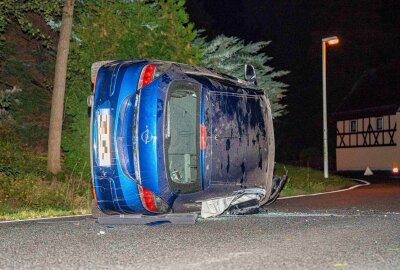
point(181, 132)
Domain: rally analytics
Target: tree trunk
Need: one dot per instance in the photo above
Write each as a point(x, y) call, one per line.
point(57, 102)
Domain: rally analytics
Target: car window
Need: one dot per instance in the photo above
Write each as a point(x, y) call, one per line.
point(181, 134)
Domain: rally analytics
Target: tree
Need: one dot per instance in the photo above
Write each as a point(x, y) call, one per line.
point(229, 54)
point(57, 102)
point(118, 29)
point(20, 13)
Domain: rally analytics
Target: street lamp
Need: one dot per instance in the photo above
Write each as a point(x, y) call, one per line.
point(331, 41)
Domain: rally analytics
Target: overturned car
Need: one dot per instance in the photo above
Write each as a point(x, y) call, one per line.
point(167, 136)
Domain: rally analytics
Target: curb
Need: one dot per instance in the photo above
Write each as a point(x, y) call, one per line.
point(363, 183)
point(43, 219)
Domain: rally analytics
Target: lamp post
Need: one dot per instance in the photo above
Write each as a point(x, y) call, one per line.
point(331, 41)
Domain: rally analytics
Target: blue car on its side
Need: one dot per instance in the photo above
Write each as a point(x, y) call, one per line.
point(166, 135)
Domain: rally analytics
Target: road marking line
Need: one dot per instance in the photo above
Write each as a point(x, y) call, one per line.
point(364, 183)
point(38, 219)
point(298, 214)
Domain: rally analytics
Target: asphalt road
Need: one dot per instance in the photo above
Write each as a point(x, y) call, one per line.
point(358, 229)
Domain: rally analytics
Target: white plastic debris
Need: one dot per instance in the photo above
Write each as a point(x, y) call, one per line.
point(101, 233)
point(368, 172)
point(217, 206)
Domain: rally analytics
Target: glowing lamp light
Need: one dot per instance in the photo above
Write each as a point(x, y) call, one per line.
point(333, 41)
point(395, 168)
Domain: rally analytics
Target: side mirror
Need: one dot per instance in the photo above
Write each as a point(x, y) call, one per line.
point(250, 74)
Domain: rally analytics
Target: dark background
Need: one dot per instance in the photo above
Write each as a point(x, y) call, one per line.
point(369, 39)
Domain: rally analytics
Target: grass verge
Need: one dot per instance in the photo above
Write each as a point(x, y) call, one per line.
point(27, 191)
point(26, 213)
point(303, 180)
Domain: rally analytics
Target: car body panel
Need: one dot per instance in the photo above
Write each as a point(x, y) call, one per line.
point(239, 131)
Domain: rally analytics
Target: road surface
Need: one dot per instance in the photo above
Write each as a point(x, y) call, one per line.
point(357, 229)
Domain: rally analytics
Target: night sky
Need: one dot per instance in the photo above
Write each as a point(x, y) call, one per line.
point(369, 33)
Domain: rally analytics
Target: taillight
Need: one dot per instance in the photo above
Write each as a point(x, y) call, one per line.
point(203, 137)
point(147, 198)
point(152, 202)
point(150, 72)
point(146, 76)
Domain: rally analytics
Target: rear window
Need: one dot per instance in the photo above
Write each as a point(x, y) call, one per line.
point(181, 134)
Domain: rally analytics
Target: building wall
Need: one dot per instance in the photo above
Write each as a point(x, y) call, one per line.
point(368, 146)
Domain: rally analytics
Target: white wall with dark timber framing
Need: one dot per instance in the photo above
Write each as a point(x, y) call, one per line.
point(372, 141)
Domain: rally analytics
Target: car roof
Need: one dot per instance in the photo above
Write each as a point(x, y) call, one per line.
point(213, 74)
point(194, 71)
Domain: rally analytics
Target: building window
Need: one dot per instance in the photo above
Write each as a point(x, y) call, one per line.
point(353, 126)
point(379, 123)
